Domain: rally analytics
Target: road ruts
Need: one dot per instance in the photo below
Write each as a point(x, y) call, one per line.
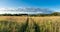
point(36, 26)
point(30, 26)
point(24, 26)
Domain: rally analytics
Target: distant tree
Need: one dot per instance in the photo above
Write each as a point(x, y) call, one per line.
point(56, 14)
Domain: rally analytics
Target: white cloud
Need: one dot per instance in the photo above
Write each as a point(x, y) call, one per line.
point(23, 11)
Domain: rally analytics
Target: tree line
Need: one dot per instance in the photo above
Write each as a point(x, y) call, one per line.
point(51, 14)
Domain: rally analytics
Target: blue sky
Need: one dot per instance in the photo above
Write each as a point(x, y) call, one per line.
point(51, 4)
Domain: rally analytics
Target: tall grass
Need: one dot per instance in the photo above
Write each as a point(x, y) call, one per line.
point(9, 26)
point(30, 25)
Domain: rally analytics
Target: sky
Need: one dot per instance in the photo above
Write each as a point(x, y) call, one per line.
point(51, 4)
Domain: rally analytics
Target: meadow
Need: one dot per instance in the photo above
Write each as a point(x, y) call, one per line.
point(29, 24)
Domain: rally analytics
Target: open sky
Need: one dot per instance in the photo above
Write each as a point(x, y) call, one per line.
point(51, 4)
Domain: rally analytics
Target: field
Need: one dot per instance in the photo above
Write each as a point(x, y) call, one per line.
point(29, 24)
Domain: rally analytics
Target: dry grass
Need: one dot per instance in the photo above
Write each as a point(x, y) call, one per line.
point(35, 24)
point(48, 24)
point(13, 18)
point(43, 19)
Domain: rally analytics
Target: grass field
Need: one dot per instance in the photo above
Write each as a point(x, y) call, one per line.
point(29, 24)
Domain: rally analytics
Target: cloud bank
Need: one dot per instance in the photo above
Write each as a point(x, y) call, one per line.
point(24, 11)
